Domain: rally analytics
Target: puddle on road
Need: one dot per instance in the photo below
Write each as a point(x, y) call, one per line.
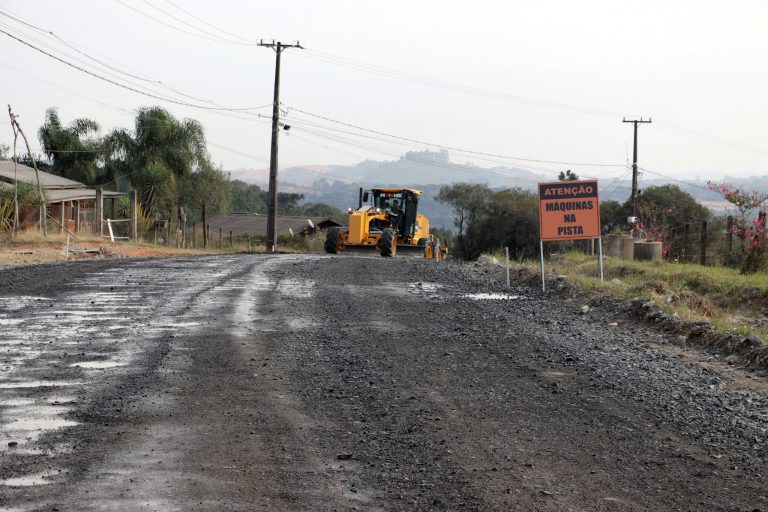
point(17, 303)
point(37, 424)
point(492, 296)
point(38, 384)
point(97, 365)
point(16, 402)
point(44, 478)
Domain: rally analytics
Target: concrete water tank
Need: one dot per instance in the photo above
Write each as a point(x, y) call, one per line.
point(648, 251)
point(627, 248)
point(614, 244)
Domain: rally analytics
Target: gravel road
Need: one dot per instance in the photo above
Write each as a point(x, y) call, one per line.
point(298, 382)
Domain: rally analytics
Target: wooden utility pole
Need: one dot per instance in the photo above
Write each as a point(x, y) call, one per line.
point(43, 210)
point(272, 193)
point(15, 179)
point(634, 163)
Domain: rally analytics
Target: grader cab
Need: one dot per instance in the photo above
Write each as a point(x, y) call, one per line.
point(386, 221)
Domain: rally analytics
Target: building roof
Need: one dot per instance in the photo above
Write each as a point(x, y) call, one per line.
point(256, 225)
point(77, 194)
point(56, 188)
point(27, 175)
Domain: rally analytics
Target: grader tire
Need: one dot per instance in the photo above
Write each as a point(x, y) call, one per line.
point(386, 242)
point(332, 240)
point(424, 244)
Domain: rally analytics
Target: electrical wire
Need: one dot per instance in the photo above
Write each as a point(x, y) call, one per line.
point(101, 62)
point(674, 179)
point(453, 86)
point(209, 24)
point(441, 146)
point(156, 20)
point(146, 2)
point(123, 86)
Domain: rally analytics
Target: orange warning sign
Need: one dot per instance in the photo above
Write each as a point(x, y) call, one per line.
point(569, 210)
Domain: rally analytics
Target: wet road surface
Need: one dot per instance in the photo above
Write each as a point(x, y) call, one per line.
point(316, 383)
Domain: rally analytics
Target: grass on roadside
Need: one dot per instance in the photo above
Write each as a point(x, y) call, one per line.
point(733, 303)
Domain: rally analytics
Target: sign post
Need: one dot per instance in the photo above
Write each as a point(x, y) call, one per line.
point(569, 210)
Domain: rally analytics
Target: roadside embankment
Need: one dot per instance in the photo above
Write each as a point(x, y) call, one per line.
point(716, 307)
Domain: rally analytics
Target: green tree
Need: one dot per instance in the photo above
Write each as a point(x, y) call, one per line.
point(568, 175)
point(207, 186)
point(248, 198)
point(612, 216)
point(514, 222)
point(75, 150)
point(158, 140)
point(324, 210)
point(471, 208)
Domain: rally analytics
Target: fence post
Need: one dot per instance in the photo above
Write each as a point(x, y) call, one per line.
point(98, 213)
point(133, 224)
point(168, 232)
point(231, 240)
point(703, 253)
point(205, 230)
point(729, 237)
point(686, 228)
point(194, 234)
point(221, 238)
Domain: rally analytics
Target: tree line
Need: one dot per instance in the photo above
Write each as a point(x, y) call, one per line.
point(488, 220)
point(164, 158)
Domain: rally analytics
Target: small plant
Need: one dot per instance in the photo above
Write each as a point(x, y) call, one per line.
point(654, 227)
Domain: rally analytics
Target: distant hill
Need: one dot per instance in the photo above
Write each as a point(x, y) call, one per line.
point(338, 185)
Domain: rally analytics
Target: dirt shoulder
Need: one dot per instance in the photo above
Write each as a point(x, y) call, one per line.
point(56, 249)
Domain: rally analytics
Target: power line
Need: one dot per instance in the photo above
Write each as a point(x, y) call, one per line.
point(443, 84)
point(674, 179)
point(216, 40)
point(192, 26)
point(209, 24)
point(104, 64)
point(123, 86)
point(451, 148)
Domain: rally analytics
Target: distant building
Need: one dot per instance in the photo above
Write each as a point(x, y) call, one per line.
point(69, 203)
point(254, 224)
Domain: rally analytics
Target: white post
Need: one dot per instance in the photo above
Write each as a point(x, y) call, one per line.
point(507, 251)
point(600, 252)
point(541, 245)
point(111, 233)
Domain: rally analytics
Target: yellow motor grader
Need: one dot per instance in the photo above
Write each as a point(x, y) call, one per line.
point(386, 221)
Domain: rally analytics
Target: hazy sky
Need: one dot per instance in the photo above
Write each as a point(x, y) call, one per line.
point(545, 80)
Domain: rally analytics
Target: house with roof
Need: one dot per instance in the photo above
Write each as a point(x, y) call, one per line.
point(70, 205)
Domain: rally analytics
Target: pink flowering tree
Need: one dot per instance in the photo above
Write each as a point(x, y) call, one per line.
point(751, 230)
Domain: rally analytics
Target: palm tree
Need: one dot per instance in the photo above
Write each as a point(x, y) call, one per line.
point(159, 152)
point(75, 151)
